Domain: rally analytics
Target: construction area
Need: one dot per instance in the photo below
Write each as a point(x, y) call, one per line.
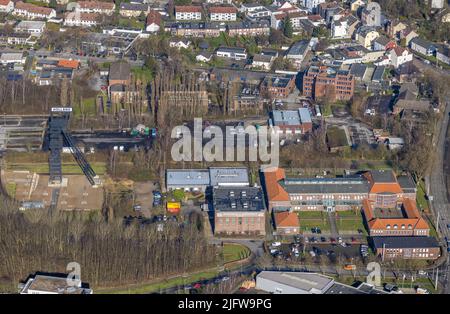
point(33, 191)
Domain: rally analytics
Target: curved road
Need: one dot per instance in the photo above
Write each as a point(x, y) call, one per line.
point(437, 186)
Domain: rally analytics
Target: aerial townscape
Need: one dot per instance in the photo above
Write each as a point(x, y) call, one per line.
point(224, 147)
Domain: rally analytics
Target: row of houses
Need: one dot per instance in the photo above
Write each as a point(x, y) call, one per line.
point(214, 29)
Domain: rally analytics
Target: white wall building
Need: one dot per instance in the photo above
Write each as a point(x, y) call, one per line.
point(32, 27)
point(6, 6)
point(222, 14)
point(398, 56)
point(187, 13)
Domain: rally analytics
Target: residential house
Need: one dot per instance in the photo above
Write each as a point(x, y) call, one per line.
point(395, 29)
point(32, 11)
point(399, 56)
point(371, 15)
point(443, 54)
point(204, 56)
point(339, 29)
point(355, 5)
point(248, 28)
point(153, 22)
point(408, 34)
point(383, 43)
point(32, 27)
point(133, 9)
point(194, 29)
point(277, 20)
point(186, 13)
point(234, 53)
point(261, 61)
point(422, 46)
point(312, 5)
point(99, 7)
point(179, 43)
point(286, 223)
point(222, 13)
point(366, 35)
point(6, 6)
point(81, 19)
point(255, 11)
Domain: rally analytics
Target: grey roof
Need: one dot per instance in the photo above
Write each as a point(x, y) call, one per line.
point(363, 288)
point(248, 24)
point(133, 6)
point(30, 24)
point(356, 184)
point(262, 58)
point(378, 74)
point(308, 282)
point(233, 199)
point(382, 40)
point(383, 176)
point(231, 49)
point(406, 183)
point(187, 177)
point(358, 70)
point(404, 242)
point(291, 117)
point(299, 48)
point(423, 43)
point(119, 71)
point(228, 176)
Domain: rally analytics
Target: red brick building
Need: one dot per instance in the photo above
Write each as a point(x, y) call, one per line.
point(325, 82)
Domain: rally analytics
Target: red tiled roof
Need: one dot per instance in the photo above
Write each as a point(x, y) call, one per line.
point(96, 5)
point(275, 191)
point(222, 10)
point(154, 17)
point(73, 64)
point(188, 8)
point(33, 8)
point(4, 2)
point(286, 219)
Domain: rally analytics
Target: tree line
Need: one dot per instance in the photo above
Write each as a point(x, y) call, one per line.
point(109, 253)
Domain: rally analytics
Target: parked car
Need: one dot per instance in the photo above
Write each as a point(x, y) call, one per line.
point(349, 267)
point(276, 243)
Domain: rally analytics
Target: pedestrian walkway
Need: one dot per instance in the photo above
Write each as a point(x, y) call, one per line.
point(332, 221)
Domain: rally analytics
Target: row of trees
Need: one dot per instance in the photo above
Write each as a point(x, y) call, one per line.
point(108, 252)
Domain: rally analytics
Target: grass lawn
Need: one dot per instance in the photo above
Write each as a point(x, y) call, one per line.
point(11, 189)
point(88, 107)
point(160, 285)
point(350, 224)
point(311, 219)
point(67, 168)
point(311, 215)
point(421, 199)
point(348, 213)
point(234, 252)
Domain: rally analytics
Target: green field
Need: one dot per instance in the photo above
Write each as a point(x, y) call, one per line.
point(421, 199)
point(160, 285)
point(234, 252)
point(67, 168)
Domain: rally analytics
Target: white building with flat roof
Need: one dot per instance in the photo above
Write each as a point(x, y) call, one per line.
point(32, 27)
point(187, 179)
point(293, 282)
point(46, 284)
point(229, 176)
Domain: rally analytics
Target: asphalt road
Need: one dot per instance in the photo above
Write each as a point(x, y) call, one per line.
point(438, 190)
